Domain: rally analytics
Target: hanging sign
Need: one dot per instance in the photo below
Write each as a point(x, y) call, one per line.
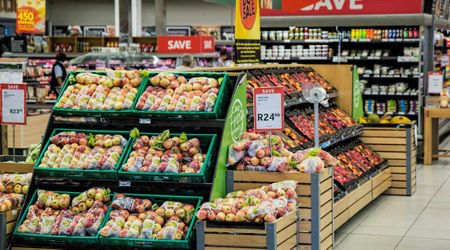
point(13, 103)
point(247, 32)
point(268, 109)
point(341, 7)
point(30, 17)
point(185, 44)
point(435, 81)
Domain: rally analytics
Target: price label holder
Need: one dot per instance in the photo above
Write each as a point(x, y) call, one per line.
point(13, 104)
point(145, 121)
point(268, 109)
point(124, 184)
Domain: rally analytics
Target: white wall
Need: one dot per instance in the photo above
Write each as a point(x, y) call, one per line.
point(101, 12)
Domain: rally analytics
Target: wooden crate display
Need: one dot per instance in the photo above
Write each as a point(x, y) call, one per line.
point(398, 146)
point(381, 182)
point(352, 203)
point(281, 234)
point(315, 197)
point(8, 219)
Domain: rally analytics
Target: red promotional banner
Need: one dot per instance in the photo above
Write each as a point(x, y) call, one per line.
point(185, 44)
point(344, 7)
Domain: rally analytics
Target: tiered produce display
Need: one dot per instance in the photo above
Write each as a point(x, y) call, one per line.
point(337, 130)
point(144, 171)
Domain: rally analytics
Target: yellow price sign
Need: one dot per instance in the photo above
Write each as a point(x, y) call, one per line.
point(30, 17)
point(25, 15)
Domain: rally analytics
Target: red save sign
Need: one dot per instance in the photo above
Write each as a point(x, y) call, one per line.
point(185, 44)
point(13, 105)
point(344, 7)
point(268, 109)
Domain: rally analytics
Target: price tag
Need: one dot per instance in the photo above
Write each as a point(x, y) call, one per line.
point(435, 82)
point(13, 104)
point(268, 109)
point(145, 121)
point(124, 184)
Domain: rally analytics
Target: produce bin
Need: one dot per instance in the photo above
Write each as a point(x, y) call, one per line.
point(281, 234)
point(95, 113)
point(48, 239)
point(155, 243)
point(207, 143)
point(314, 195)
point(9, 218)
point(81, 173)
point(400, 152)
point(219, 107)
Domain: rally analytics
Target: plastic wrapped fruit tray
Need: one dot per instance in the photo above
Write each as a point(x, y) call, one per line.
point(207, 144)
point(79, 173)
point(185, 243)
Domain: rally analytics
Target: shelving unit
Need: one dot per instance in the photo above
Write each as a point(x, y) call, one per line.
point(212, 187)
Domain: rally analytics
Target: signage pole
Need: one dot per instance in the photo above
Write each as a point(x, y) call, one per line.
point(316, 125)
point(14, 142)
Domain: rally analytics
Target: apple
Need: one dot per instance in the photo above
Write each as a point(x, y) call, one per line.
point(55, 204)
point(281, 193)
point(226, 209)
point(230, 217)
point(272, 194)
point(89, 202)
point(254, 161)
point(18, 189)
point(269, 218)
point(181, 213)
point(220, 216)
point(291, 193)
point(63, 203)
point(201, 214)
point(160, 211)
point(211, 215)
point(108, 143)
point(99, 197)
point(82, 206)
point(3, 208)
point(169, 213)
point(91, 193)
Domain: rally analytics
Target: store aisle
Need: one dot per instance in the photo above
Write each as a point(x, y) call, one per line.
point(407, 223)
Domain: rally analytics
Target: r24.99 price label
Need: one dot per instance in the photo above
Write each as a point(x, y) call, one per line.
point(268, 117)
point(268, 109)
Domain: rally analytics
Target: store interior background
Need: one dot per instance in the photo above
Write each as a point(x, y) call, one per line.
point(390, 222)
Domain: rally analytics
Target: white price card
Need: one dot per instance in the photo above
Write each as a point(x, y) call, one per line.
point(435, 81)
point(13, 104)
point(268, 109)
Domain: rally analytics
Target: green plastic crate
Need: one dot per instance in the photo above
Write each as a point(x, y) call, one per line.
point(186, 243)
point(49, 239)
point(81, 173)
point(96, 113)
point(217, 112)
point(207, 142)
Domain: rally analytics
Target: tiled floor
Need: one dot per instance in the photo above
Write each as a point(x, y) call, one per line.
point(407, 223)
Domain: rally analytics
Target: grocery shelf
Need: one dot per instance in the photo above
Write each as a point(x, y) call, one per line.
point(344, 137)
point(399, 59)
point(40, 55)
point(392, 113)
point(388, 40)
point(390, 95)
point(224, 42)
point(307, 41)
point(372, 76)
point(304, 58)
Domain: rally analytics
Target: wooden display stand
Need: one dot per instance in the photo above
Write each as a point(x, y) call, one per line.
point(28, 134)
point(431, 142)
point(398, 146)
point(352, 203)
point(281, 234)
point(8, 219)
point(315, 195)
